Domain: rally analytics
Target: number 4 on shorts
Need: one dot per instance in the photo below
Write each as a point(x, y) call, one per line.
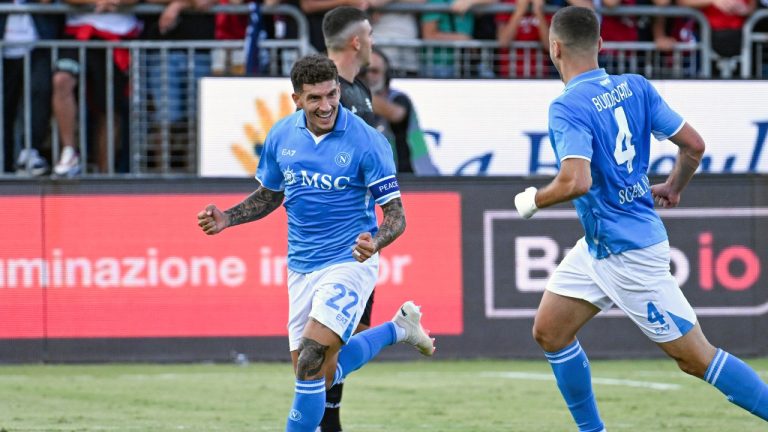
point(654, 316)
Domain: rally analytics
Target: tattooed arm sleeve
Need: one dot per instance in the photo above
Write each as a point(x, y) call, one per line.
point(393, 224)
point(257, 205)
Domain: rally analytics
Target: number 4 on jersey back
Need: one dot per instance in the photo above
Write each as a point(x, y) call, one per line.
point(623, 138)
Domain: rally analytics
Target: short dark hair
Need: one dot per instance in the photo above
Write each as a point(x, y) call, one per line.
point(336, 22)
point(577, 27)
point(312, 69)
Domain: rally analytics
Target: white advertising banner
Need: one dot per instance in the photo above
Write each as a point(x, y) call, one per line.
point(489, 127)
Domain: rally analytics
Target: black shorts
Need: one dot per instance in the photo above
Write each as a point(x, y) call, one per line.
point(95, 76)
point(366, 318)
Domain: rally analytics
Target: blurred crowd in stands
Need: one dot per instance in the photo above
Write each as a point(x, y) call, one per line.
point(521, 53)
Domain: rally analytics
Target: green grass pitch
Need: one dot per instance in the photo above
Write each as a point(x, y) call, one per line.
point(470, 396)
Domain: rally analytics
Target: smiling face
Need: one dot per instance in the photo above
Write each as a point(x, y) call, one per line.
point(320, 103)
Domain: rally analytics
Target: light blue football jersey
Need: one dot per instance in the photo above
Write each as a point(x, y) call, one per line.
point(330, 187)
point(609, 119)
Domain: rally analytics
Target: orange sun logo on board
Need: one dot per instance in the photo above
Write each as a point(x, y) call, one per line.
point(248, 154)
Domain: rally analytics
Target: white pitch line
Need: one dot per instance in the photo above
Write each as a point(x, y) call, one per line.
point(595, 380)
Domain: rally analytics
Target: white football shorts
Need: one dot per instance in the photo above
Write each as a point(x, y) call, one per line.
point(638, 282)
point(335, 296)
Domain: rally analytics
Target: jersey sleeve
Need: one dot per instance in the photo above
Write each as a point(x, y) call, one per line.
point(268, 172)
point(665, 122)
point(572, 138)
point(379, 171)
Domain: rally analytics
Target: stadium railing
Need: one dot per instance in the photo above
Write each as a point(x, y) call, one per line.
point(476, 58)
point(153, 145)
point(754, 50)
point(157, 146)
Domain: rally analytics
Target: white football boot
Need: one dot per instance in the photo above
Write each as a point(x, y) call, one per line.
point(408, 317)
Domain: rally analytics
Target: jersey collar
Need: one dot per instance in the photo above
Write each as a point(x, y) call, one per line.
point(586, 76)
point(342, 119)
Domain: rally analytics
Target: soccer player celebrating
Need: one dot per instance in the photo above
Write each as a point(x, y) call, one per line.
point(349, 40)
point(330, 167)
point(600, 130)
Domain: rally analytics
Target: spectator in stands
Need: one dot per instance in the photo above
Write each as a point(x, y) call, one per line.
point(529, 26)
point(726, 19)
point(398, 119)
point(26, 29)
point(174, 97)
point(446, 62)
point(104, 23)
point(659, 34)
point(618, 28)
point(399, 27)
point(281, 27)
point(234, 27)
point(668, 32)
point(762, 27)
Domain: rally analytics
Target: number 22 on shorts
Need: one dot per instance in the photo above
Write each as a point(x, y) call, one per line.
point(343, 301)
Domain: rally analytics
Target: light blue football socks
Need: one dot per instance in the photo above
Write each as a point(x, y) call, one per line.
point(739, 383)
point(574, 379)
point(309, 397)
point(362, 348)
point(308, 406)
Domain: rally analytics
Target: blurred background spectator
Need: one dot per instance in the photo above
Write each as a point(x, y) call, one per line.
point(459, 25)
point(172, 75)
point(103, 24)
point(235, 27)
point(726, 18)
point(528, 23)
point(396, 118)
point(762, 52)
point(621, 28)
point(399, 27)
point(25, 29)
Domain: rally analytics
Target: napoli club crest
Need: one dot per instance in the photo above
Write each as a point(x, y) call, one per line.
point(343, 159)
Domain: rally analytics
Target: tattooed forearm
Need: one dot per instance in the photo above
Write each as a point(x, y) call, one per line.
point(311, 358)
point(257, 205)
point(393, 224)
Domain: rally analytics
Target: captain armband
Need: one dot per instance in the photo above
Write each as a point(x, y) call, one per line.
point(384, 190)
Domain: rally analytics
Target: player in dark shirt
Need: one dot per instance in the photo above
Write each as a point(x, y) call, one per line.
point(356, 97)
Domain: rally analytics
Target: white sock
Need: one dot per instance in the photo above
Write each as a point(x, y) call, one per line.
point(400, 332)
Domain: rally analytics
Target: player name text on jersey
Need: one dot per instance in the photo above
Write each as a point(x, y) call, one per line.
point(609, 99)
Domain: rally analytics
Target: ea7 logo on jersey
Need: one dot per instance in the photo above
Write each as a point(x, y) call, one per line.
point(323, 181)
point(288, 152)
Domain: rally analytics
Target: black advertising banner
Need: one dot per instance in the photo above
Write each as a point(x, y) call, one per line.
point(719, 245)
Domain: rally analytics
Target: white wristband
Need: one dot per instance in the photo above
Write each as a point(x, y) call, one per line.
point(525, 202)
